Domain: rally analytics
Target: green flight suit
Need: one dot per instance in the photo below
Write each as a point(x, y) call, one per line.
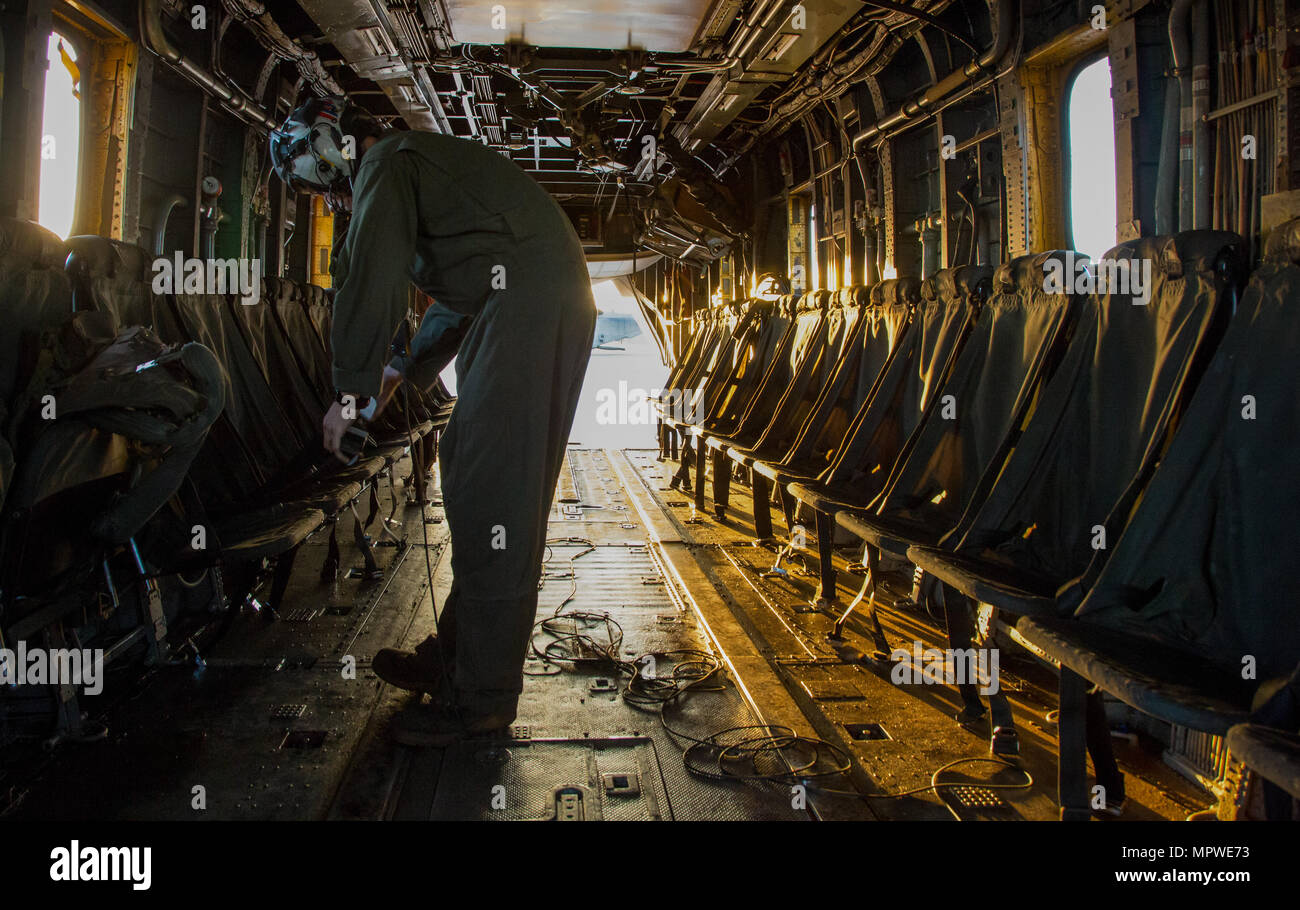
point(500, 257)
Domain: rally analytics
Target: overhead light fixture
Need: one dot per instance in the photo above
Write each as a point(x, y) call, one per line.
point(378, 41)
point(782, 44)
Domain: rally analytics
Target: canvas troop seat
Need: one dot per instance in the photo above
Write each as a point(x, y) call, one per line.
point(790, 370)
point(733, 376)
point(247, 444)
point(711, 345)
point(268, 448)
point(886, 417)
point(709, 359)
point(1066, 487)
point(709, 330)
point(34, 296)
point(735, 367)
point(1186, 620)
point(1014, 346)
point(880, 328)
point(104, 422)
point(843, 331)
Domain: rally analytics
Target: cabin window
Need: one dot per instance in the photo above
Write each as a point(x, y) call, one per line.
point(1091, 128)
point(60, 137)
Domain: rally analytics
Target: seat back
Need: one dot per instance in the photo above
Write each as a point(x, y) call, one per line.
point(1106, 412)
point(894, 404)
point(705, 336)
point(843, 390)
point(35, 295)
point(728, 394)
point(320, 309)
point(116, 277)
point(1207, 558)
point(1015, 346)
point(253, 409)
point(800, 346)
point(289, 305)
point(733, 333)
point(823, 366)
point(302, 404)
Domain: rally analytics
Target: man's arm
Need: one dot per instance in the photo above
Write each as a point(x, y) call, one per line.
point(377, 255)
point(371, 275)
point(433, 347)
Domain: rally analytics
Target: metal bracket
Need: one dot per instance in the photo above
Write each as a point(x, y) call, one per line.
point(156, 618)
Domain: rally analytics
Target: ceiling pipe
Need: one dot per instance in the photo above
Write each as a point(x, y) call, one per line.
point(1201, 211)
point(254, 16)
point(931, 97)
point(1181, 48)
point(1166, 207)
point(160, 218)
point(230, 97)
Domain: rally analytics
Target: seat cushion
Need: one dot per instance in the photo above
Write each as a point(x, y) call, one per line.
point(1004, 586)
point(267, 532)
point(1273, 754)
point(891, 534)
point(1172, 684)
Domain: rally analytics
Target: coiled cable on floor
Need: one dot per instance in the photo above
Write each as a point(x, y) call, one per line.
point(754, 753)
point(572, 638)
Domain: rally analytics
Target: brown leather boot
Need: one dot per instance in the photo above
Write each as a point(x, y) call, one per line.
point(420, 670)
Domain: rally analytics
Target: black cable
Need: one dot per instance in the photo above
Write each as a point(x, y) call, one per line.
point(772, 754)
point(928, 20)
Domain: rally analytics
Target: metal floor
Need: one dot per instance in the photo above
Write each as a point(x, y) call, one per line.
point(276, 726)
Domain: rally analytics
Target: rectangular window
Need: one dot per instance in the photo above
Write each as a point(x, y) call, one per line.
point(60, 137)
point(1091, 127)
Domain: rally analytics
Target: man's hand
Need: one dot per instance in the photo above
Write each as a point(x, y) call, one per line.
point(334, 426)
point(392, 379)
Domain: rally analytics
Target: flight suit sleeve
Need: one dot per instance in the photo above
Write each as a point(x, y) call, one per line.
point(433, 347)
point(374, 271)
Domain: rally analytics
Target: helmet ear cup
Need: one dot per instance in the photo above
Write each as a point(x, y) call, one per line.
point(307, 151)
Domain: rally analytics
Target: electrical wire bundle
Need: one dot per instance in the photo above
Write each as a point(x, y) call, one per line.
point(571, 633)
point(749, 753)
point(753, 753)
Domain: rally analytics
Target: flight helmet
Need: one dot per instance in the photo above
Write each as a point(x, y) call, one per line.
point(308, 151)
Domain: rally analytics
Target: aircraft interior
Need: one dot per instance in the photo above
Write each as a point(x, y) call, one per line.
point(934, 457)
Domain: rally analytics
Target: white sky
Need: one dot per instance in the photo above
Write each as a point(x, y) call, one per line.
point(1092, 161)
point(63, 123)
